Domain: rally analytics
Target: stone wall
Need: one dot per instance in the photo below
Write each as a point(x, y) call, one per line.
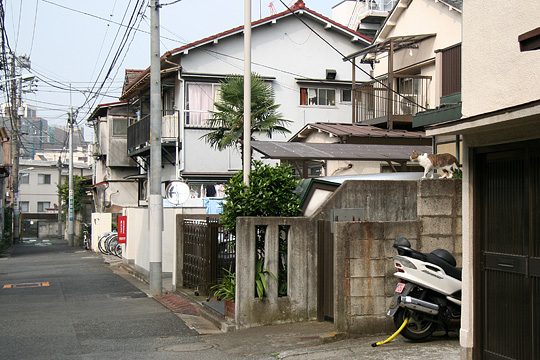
point(363, 252)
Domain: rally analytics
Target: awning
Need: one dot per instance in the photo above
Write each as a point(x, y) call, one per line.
point(398, 42)
point(360, 152)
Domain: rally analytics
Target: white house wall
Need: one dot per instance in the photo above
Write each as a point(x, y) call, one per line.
point(200, 157)
point(34, 192)
point(514, 77)
point(424, 17)
point(291, 47)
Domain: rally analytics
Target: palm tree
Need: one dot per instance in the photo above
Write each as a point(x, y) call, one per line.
point(228, 119)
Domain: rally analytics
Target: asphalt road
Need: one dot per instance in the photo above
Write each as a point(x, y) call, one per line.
point(63, 303)
point(58, 302)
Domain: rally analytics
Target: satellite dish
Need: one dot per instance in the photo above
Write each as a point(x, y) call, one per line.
point(177, 192)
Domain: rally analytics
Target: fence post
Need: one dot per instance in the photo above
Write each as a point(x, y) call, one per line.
point(212, 243)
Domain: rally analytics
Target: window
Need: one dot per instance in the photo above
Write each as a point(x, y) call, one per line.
point(44, 179)
point(42, 206)
point(346, 95)
point(200, 99)
point(313, 96)
point(24, 178)
point(23, 206)
point(119, 127)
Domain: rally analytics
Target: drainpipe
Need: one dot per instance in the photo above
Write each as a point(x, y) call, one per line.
point(181, 159)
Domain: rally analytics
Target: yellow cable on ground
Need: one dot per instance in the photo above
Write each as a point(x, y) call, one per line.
point(393, 336)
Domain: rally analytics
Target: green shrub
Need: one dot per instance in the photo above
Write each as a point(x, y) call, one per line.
point(270, 193)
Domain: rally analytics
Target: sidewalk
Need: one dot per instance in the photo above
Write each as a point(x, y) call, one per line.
point(294, 341)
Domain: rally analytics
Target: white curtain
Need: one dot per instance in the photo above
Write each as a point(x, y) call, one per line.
point(199, 103)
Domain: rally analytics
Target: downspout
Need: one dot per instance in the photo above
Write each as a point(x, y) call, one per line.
point(181, 161)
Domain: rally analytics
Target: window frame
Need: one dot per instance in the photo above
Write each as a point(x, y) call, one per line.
point(26, 178)
point(43, 208)
point(115, 134)
point(45, 176)
point(27, 203)
point(341, 96)
point(215, 90)
point(309, 90)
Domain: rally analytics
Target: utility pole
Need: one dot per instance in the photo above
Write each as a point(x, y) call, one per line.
point(246, 146)
point(71, 213)
point(15, 150)
point(59, 165)
point(155, 203)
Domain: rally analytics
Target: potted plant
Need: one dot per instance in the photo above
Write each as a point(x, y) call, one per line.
point(225, 291)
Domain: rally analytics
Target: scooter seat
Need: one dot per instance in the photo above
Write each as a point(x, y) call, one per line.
point(452, 271)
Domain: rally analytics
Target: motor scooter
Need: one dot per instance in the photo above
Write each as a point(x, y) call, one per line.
point(428, 294)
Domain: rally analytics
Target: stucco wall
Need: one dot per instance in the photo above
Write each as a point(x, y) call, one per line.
point(495, 74)
point(301, 300)
point(136, 251)
point(286, 50)
point(424, 17)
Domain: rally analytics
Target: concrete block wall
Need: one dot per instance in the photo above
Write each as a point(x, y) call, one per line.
point(439, 210)
point(363, 282)
point(363, 252)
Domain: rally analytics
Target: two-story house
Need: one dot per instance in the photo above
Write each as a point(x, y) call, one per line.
point(310, 81)
point(500, 127)
point(415, 58)
point(114, 172)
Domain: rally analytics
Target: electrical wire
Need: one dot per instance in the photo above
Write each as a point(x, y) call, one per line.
point(349, 60)
point(33, 28)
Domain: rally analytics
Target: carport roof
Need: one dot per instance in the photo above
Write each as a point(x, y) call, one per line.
point(307, 151)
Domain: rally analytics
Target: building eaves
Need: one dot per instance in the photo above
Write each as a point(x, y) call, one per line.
point(297, 9)
point(355, 130)
point(102, 107)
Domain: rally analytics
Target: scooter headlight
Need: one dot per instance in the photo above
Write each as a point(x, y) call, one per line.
point(401, 262)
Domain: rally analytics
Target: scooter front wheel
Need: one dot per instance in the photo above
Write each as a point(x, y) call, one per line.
point(419, 327)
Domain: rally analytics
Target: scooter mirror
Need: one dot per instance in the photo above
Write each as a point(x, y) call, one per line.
point(401, 241)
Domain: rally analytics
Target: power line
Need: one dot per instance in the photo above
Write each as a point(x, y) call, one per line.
point(34, 28)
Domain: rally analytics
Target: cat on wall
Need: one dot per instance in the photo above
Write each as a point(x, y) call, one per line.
point(430, 162)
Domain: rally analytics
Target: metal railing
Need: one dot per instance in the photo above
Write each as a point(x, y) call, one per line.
point(411, 96)
point(197, 119)
point(138, 133)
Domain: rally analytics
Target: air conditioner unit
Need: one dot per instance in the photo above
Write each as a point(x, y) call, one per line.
point(408, 103)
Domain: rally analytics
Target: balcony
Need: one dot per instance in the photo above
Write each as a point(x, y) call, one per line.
point(376, 104)
point(138, 133)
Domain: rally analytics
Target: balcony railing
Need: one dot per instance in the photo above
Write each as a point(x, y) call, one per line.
point(197, 118)
point(138, 133)
point(410, 96)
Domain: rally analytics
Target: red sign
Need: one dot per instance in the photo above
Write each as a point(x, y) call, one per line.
point(122, 229)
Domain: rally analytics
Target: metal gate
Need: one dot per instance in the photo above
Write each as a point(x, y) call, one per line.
point(209, 250)
point(508, 257)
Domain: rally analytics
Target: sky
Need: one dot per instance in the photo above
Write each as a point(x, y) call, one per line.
point(74, 48)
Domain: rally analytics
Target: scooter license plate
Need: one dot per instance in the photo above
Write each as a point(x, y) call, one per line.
point(399, 288)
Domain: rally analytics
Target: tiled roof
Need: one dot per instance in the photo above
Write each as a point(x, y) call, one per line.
point(130, 76)
point(298, 7)
point(356, 130)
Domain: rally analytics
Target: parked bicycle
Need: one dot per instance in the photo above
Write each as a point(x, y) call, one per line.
point(108, 244)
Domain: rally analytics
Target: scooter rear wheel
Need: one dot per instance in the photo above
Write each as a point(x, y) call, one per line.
point(419, 327)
